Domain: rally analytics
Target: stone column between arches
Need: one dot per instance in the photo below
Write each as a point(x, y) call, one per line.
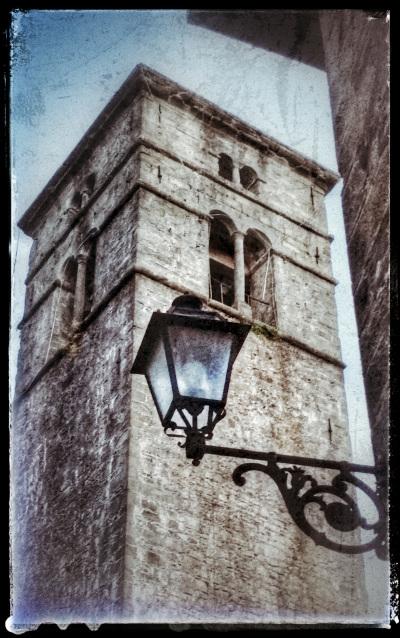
point(239, 274)
point(80, 292)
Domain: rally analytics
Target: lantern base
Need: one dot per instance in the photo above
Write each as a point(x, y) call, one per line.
point(195, 446)
point(196, 420)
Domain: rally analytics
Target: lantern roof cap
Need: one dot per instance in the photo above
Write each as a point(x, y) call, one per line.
point(185, 311)
point(192, 306)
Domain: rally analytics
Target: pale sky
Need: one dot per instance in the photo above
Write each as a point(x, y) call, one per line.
point(68, 64)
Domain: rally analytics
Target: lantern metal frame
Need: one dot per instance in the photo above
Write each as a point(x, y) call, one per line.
point(186, 312)
point(298, 488)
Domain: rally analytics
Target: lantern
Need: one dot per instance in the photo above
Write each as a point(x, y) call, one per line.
point(187, 355)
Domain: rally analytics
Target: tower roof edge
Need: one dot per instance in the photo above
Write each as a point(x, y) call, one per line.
point(144, 77)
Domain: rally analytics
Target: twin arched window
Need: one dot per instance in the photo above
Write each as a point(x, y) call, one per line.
point(75, 295)
point(225, 166)
point(247, 175)
point(241, 270)
point(82, 196)
point(222, 263)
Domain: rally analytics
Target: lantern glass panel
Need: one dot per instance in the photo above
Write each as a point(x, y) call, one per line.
point(201, 359)
point(159, 379)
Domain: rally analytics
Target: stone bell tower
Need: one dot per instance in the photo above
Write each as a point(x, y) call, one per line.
point(167, 194)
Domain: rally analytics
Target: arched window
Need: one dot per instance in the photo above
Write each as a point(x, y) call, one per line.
point(90, 183)
point(74, 297)
point(248, 178)
point(66, 301)
point(82, 196)
point(221, 261)
point(62, 310)
point(259, 280)
point(225, 166)
point(76, 201)
point(89, 278)
point(88, 188)
point(84, 290)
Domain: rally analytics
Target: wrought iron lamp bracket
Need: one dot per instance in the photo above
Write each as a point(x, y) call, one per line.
point(300, 489)
point(193, 417)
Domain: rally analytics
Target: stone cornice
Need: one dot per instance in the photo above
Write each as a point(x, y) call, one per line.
point(143, 78)
point(313, 271)
point(137, 269)
point(161, 86)
point(139, 184)
point(146, 272)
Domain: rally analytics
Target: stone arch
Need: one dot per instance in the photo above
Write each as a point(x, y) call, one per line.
point(225, 166)
point(224, 219)
point(76, 201)
point(88, 188)
point(65, 311)
point(221, 258)
point(68, 273)
point(248, 178)
point(259, 276)
point(258, 237)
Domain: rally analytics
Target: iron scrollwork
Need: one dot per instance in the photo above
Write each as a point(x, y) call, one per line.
point(299, 489)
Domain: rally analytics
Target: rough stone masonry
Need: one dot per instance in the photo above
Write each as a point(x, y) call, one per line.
point(356, 47)
point(110, 521)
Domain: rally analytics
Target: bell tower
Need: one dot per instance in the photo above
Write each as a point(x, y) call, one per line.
point(167, 195)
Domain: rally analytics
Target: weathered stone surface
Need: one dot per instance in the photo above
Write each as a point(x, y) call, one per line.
point(108, 513)
point(69, 479)
point(225, 553)
point(200, 143)
point(356, 55)
point(206, 192)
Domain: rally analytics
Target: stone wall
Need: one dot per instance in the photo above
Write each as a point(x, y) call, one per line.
point(299, 277)
point(356, 55)
point(199, 142)
point(69, 481)
point(71, 419)
point(200, 549)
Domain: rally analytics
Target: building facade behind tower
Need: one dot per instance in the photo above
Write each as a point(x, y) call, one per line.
point(167, 194)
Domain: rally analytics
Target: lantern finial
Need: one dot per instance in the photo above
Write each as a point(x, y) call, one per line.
point(189, 302)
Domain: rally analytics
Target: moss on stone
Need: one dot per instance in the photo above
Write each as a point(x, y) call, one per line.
point(265, 331)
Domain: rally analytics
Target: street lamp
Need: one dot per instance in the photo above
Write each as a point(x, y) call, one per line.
point(186, 355)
